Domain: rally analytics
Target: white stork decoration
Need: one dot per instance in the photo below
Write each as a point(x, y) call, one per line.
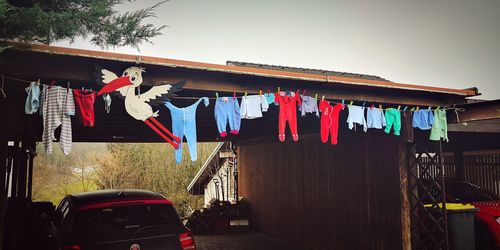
point(137, 105)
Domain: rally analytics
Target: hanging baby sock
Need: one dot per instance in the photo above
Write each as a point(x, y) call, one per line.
point(356, 115)
point(309, 105)
point(84, 101)
point(107, 102)
point(393, 119)
point(227, 110)
point(440, 126)
point(252, 106)
point(184, 124)
point(288, 113)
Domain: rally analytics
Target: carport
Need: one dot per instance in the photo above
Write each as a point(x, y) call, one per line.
point(355, 195)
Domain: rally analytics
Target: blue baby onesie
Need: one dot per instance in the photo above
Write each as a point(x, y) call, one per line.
point(423, 119)
point(184, 124)
point(227, 110)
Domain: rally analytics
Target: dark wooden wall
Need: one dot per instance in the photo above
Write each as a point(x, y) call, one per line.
point(326, 197)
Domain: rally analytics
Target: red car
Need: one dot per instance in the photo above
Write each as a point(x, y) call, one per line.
point(487, 220)
point(119, 219)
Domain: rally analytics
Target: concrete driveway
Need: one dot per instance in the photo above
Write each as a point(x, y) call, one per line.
point(243, 240)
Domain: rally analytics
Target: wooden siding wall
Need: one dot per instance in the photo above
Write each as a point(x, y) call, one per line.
point(322, 196)
point(481, 168)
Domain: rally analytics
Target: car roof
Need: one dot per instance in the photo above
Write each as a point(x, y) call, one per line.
point(105, 195)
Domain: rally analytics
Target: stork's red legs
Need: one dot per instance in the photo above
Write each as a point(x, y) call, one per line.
point(177, 139)
point(160, 133)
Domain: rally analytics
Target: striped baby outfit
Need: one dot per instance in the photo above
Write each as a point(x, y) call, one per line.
point(57, 107)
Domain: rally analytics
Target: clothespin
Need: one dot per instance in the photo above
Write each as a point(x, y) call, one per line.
point(380, 106)
point(350, 104)
point(372, 106)
point(406, 107)
point(364, 103)
point(399, 107)
point(323, 98)
point(260, 92)
point(246, 93)
point(234, 94)
point(316, 96)
point(217, 94)
point(429, 108)
point(38, 81)
point(438, 107)
point(412, 109)
point(304, 92)
point(417, 108)
point(342, 103)
point(268, 91)
point(279, 90)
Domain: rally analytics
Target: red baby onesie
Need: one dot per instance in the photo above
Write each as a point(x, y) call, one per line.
point(329, 121)
point(84, 100)
point(288, 112)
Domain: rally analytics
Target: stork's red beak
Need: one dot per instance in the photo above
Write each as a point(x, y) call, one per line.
point(115, 84)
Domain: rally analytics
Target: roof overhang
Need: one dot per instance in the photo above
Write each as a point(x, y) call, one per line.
point(31, 62)
point(172, 63)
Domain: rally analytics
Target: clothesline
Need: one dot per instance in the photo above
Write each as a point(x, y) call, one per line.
point(241, 96)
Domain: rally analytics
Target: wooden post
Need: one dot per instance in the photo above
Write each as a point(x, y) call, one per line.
point(405, 201)
point(3, 175)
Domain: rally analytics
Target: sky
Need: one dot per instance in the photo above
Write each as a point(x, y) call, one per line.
point(446, 43)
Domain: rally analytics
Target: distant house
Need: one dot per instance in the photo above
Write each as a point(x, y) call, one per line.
point(217, 177)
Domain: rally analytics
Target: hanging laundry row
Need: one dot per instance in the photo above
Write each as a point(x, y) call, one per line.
point(57, 105)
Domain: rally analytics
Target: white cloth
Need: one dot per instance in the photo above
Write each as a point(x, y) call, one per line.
point(356, 115)
point(252, 106)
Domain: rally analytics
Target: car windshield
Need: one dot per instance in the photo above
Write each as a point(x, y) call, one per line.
point(465, 192)
point(124, 222)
